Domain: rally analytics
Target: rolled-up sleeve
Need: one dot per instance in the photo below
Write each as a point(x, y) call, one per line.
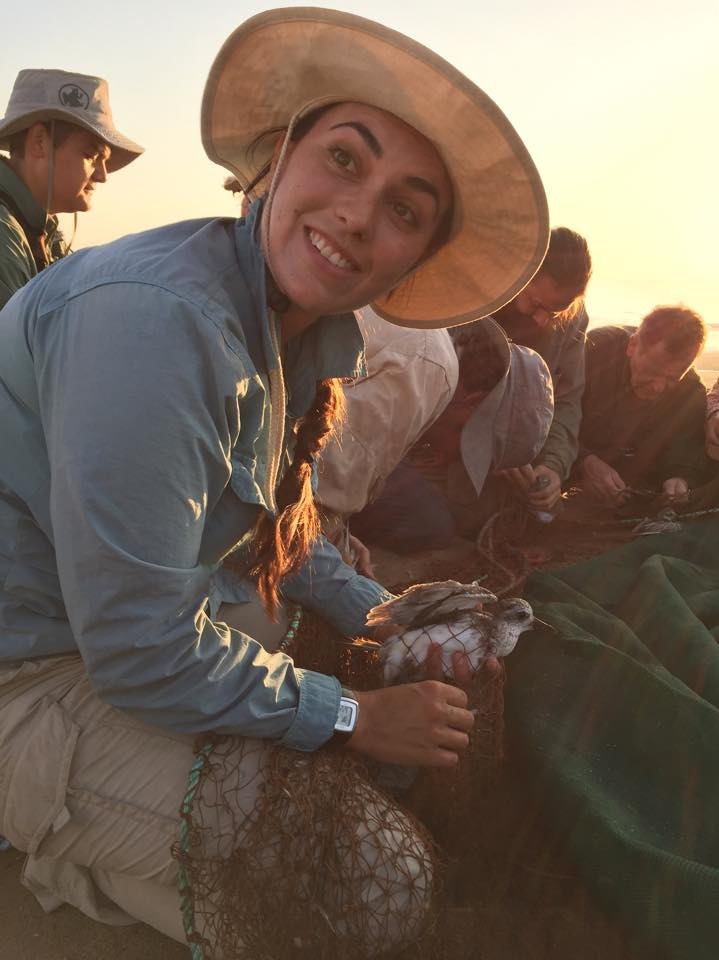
point(139, 430)
point(334, 590)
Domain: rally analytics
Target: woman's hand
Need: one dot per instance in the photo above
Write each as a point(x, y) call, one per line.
point(415, 724)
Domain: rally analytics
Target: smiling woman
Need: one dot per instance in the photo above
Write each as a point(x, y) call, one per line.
point(354, 209)
point(164, 400)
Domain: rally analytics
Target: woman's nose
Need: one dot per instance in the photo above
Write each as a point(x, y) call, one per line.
point(356, 210)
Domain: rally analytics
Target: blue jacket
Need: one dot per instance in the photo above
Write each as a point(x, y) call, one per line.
point(138, 442)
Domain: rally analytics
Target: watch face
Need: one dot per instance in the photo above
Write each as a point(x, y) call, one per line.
point(347, 716)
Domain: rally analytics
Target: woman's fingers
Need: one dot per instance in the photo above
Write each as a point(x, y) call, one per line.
point(415, 724)
point(462, 671)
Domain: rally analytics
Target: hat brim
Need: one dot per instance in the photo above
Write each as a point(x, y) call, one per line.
point(123, 150)
point(278, 62)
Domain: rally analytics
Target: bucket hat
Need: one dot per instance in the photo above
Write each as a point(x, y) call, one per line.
point(510, 425)
point(281, 64)
point(39, 95)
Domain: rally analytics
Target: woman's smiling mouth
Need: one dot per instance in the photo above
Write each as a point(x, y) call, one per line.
point(330, 253)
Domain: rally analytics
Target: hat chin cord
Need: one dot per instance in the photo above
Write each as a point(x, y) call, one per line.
point(50, 169)
point(270, 198)
point(50, 179)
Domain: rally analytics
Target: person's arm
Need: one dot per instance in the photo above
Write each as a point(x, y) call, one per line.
point(713, 399)
point(140, 428)
point(562, 444)
point(334, 590)
point(711, 426)
point(16, 263)
point(683, 456)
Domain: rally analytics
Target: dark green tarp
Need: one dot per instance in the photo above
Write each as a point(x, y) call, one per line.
point(615, 724)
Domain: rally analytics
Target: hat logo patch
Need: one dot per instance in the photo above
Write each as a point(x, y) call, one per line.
point(70, 95)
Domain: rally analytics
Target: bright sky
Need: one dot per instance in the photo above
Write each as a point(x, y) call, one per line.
point(616, 101)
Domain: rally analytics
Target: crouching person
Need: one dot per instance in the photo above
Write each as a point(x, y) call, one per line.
point(163, 401)
point(643, 411)
point(498, 418)
point(411, 378)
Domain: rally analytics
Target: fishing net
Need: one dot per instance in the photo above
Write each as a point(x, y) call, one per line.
point(291, 855)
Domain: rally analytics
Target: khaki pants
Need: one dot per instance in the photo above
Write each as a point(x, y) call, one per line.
point(93, 796)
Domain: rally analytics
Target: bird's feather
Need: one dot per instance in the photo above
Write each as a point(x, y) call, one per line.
point(426, 603)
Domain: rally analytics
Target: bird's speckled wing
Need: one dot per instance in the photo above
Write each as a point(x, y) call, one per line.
point(429, 603)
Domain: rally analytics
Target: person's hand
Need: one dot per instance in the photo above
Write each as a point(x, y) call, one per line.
point(546, 489)
point(675, 490)
point(711, 433)
point(601, 481)
point(540, 486)
point(521, 478)
point(461, 667)
point(361, 559)
point(414, 724)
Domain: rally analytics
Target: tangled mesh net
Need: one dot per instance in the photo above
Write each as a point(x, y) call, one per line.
point(291, 855)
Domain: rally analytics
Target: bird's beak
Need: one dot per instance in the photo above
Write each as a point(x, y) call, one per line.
point(536, 622)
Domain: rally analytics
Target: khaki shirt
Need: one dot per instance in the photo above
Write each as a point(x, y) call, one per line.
point(411, 377)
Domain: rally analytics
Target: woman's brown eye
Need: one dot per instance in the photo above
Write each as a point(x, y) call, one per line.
point(404, 212)
point(341, 157)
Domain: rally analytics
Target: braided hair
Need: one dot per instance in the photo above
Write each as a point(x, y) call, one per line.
point(282, 542)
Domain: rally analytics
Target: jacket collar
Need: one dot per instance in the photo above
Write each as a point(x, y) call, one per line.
point(32, 213)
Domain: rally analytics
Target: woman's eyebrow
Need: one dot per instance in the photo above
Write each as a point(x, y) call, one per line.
point(366, 134)
point(418, 183)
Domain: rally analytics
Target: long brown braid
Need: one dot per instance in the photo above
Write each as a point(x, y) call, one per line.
point(282, 543)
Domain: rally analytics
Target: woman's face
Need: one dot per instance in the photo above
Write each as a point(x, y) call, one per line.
point(358, 201)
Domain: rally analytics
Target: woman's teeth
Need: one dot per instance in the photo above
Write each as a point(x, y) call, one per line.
point(335, 258)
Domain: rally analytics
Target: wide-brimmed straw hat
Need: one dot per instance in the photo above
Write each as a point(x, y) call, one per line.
point(40, 95)
point(283, 63)
point(510, 425)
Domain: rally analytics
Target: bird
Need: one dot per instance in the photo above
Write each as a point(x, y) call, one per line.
point(429, 603)
point(443, 617)
point(666, 521)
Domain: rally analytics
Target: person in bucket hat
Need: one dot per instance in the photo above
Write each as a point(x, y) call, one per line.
point(164, 399)
point(498, 419)
point(62, 141)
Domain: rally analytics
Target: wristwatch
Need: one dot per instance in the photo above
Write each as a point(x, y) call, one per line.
point(346, 717)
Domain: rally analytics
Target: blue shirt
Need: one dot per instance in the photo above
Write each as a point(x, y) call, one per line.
point(135, 451)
